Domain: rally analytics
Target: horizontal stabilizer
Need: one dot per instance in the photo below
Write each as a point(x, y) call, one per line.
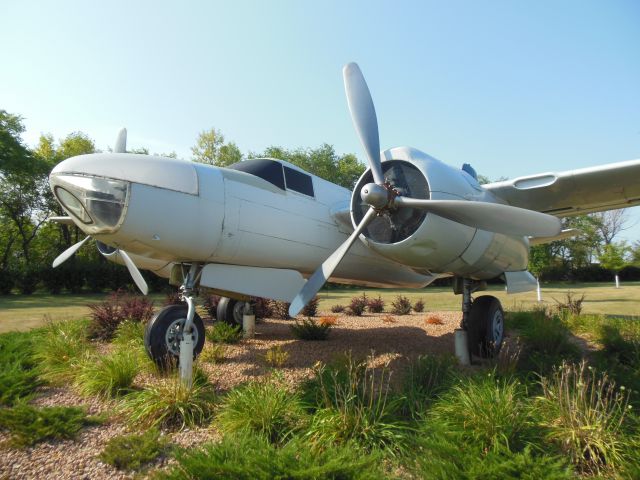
point(519, 282)
point(567, 233)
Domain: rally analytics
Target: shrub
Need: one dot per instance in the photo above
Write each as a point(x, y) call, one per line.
point(426, 377)
point(328, 320)
point(489, 412)
point(280, 309)
point(584, 415)
point(18, 373)
point(59, 349)
point(248, 457)
point(29, 425)
point(311, 308)
point(262, 407)
point(276, 356)
point(213, 353)
point(7, 281)
point(418, 306)
point(354, 407)
point(572, 305)
point(621, 342)
point(376, 305)
point(310, 330)
point(118, 307)
point(337, 309)
point(222, 332)
point(96, 276)
point(27, 280)
point(170, 404)
point(53, 279)
point(401, 306)
point(132, 452)
point(358, 305)
point(108, 376)
point(211, 305)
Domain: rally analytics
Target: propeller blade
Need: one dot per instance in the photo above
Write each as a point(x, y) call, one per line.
point(324, 271)
point(363, 114)
point(492, 217)
point(135, 273)
point(64, 256)
point(121, 142)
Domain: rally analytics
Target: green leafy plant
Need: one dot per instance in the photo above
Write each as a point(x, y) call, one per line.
point(222, 332)
point(29, 425)
point(584, 414)
point(265, 408)
point(170, 404)
point(250, 457)
point(133, 452)
point(401, 305)
point(358, 305)
point(309, 329)
point(276, 357)
point(108, 375)
point(60, 348)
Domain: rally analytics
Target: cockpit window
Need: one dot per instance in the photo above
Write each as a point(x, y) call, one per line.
point(269, 170)
point(298, 181)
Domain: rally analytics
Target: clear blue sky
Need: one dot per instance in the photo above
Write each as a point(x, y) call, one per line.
point(512, 87)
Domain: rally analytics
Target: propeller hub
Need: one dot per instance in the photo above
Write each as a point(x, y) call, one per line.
point(375, 195)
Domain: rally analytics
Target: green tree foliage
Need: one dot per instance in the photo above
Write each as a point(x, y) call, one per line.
point(211, 148)
point(322, 161)
point(613, 256)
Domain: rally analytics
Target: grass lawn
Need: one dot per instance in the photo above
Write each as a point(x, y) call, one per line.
point(23, 312)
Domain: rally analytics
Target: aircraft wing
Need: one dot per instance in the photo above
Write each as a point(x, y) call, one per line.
point(574, 192)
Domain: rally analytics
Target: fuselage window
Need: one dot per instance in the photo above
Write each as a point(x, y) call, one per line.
point(298, 181)
point(269, 170)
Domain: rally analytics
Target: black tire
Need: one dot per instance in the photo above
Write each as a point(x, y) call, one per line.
point(164, 332)
point(486, 327)
point(230, 311)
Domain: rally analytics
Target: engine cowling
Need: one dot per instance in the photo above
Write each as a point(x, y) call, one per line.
point(427, 242)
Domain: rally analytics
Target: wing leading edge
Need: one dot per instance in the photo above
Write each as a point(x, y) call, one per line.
point(574, 192)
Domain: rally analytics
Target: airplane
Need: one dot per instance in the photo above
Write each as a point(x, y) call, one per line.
point(266, 228)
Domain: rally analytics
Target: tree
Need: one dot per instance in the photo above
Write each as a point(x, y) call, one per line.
point(613, 258)
point(323, 161)
point(211, 148)
point(610, 223)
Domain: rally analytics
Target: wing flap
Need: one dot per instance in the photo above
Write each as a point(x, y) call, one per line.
point(574, 192)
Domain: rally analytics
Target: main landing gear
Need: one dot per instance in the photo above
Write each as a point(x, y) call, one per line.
point(482, 323)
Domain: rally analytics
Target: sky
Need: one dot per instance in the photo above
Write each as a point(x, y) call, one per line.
point(512, 87)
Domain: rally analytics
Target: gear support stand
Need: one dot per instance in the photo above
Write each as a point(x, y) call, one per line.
point(187, 342)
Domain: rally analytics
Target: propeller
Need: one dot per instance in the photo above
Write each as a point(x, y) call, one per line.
point(120, 147)
point(382, 197)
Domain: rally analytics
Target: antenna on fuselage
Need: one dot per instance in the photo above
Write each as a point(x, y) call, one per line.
point(121, 142)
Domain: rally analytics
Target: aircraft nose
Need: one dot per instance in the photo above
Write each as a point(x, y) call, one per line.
point(97, 205)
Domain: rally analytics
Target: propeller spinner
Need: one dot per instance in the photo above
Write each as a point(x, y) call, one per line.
point(381, 196)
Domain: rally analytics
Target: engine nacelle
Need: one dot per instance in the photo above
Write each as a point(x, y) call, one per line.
point(161, 268)
point(427, 242)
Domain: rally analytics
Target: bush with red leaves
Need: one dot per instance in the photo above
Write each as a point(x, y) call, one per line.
point(118, 307)
point(358, 305)
point(376, 305)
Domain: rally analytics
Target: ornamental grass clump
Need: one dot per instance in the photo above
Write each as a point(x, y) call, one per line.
point(222, 332)
point(169, 404)
point(425, 378)
point(59, 349)
point(18, 372)
point(353, 405)
point(108, 375)
point(584, 414)
point(310, 330)
point(262, 407)
point(276, 357)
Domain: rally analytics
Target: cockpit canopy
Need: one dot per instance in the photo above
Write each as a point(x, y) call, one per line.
point(278, 174)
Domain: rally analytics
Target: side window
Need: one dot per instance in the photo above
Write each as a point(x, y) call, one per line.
point(298, 181)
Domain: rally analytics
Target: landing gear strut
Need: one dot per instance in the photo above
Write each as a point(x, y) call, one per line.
point(482, 323)
point(176, 333)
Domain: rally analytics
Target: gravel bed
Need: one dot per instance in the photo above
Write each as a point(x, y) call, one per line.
point(391, 343)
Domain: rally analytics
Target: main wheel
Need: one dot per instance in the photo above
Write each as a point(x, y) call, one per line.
point(230, 311)
point(486, 327)
point(164, 332)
